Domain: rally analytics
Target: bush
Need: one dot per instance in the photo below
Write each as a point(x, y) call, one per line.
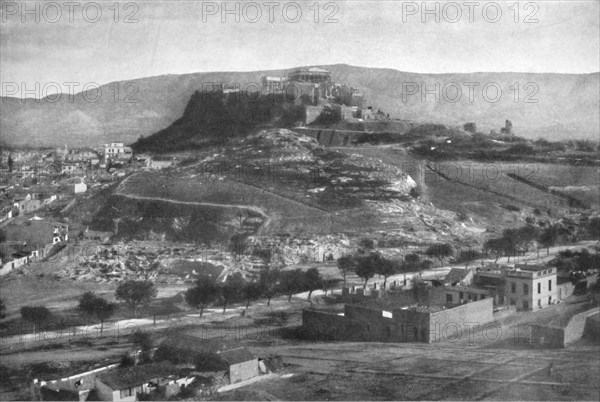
point(368, 244)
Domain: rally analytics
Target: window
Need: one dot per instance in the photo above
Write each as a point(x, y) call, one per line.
point(549, 300)
point(539, 287)
point(550, 284)
point(512, 302)
point(539, 302)
point(526, 305)
point(513, 287)
point(525, 289)
point(461, 295)
point(448, 298)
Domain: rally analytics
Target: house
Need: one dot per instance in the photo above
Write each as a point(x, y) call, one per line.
point(69, 168)
point(14, 256)
point(125, 384)
point(117, 151)
point(6, 210)
point(243, 365)
point(25, 203)
point(158, 164)
point(459, 276)
point(78, 387)
point(79, 186)
point(531, 286)
point(211, 355)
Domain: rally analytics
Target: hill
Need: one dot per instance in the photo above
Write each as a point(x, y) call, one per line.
point(567, 104)
point(270, 183)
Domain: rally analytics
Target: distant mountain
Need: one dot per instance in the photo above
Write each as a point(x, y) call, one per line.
point(567, 104)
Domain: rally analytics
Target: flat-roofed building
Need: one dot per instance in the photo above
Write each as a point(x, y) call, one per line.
point(531, 286)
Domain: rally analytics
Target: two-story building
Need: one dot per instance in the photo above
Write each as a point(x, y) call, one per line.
point(116, 151)
point(531, 286)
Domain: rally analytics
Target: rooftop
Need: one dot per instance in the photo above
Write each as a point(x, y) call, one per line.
point(456, 275)
point(531, 268)
point(137, 375)
point(235, 356)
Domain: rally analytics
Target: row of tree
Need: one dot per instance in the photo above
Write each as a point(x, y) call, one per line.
point(516, 241)
point(132, 293)
point(236, 288)
point(367, 265)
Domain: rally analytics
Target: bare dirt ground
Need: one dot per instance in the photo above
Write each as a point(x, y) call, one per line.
point(376, 371)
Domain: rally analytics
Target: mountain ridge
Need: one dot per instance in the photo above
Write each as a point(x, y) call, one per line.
point(567, 104)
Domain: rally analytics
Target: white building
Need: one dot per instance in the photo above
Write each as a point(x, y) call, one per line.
point(117, 150)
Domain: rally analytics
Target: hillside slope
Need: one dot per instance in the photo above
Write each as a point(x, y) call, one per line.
point(276, 182)
point(567, 104)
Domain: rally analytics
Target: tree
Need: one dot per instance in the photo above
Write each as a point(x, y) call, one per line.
point(2, 310)
point(549, 237)
point(231, 289)
point(387, 268)
point(419, 289)
point(312, 281)
point(345, 265)
point(91, 304)
point(366, 266)
point(291, 282)
point(368, 244)
point(496, 247)
point(252, 290)
point(425, 265)
point(136, 293)
point(268, 283)
point(440, 251)
point(412, 261)
point(204, 293)
point(35, 315)
point(593, 228)
point(143, 341)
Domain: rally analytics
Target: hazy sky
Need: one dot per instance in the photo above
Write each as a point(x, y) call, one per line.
point(173, 37)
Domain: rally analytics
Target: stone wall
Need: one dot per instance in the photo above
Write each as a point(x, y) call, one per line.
point(559, 337)
point(479, 312)
point(592, 327)
point(575, 327)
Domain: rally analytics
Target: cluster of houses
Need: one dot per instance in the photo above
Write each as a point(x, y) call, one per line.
point(464, 295)
point(38, 239)
point(191, 361)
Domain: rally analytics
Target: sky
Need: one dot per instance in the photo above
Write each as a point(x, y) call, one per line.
point(52, 44)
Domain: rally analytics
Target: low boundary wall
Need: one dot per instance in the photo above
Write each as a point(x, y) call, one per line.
point(560, 337)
